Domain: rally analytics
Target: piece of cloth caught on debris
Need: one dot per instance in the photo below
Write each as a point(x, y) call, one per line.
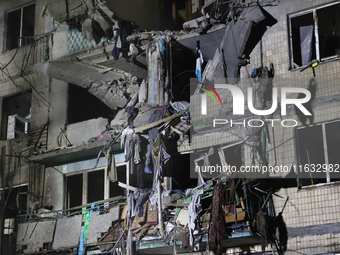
point(143, 197)
point(119, 38)
point(111, 165)
point(127, 140)
point(155, 116)
point(164, 158)
point(137, 150)
point(206, 162)
point(161, 44)
point(154, 196)
point(149, 162)
point(140, 181)
point(83, 238)
point(180, 106)
point(199, 61)
point(132, 114)
point(192, 214)
point(130, 206)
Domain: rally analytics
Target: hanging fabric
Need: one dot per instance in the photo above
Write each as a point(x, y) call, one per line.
point(83, 238)
point(111, 165)
point(119, 39)
point(199, 61)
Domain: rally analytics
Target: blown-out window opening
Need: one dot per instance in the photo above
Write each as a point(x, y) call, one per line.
point(314, 35)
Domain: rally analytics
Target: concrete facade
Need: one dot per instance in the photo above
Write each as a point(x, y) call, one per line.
point(312, 212)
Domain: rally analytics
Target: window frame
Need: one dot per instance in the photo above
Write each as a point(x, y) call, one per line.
point(4, 48)
point(84, 174)
point(324, 141)
point(5, 113)
point(312, 11)
point(9, 226)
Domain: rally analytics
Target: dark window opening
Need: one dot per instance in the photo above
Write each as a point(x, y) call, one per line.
point(333, 143)
point(318, 149)
point(20, 25)
point(303, 39)
point(46, 246)
point(82, 105)
point(95, 186)
point(315, 35)
point(232, 155)
point(74, 190)
point(329, 30)
point(178, 166)
point(180, 4)
point(115, 190)
point(16, 201)
point(15, 119)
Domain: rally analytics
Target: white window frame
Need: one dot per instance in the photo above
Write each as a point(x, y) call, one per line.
point(85, 181)
point(325, 146)
point(316, 33)
point(84, 173)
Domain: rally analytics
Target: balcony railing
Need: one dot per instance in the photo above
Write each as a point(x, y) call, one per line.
point(37, 48)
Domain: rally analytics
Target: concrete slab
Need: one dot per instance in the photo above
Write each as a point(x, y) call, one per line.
point(79, 133)
point(34, 235)
point(68, 232)
point(100, 223)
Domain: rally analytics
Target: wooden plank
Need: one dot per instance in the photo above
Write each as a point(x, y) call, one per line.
point(126, 186)
point(156, 123)
point(176, 130)
point(180, 131)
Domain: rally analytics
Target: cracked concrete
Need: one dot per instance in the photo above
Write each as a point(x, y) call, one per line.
point(113, 87)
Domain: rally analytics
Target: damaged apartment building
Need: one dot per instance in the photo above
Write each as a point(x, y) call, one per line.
point(117, 115)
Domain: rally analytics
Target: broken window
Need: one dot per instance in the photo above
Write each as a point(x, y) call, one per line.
point(95, 186)
point(317, 148)
point(20, 26)
point(86, 187)
point(230, 156)
point(218, 161)
point(116, 190)
point(74, 190)
point(16, 198)
point(314, 35)
point(16, 117)
point(82, 105)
